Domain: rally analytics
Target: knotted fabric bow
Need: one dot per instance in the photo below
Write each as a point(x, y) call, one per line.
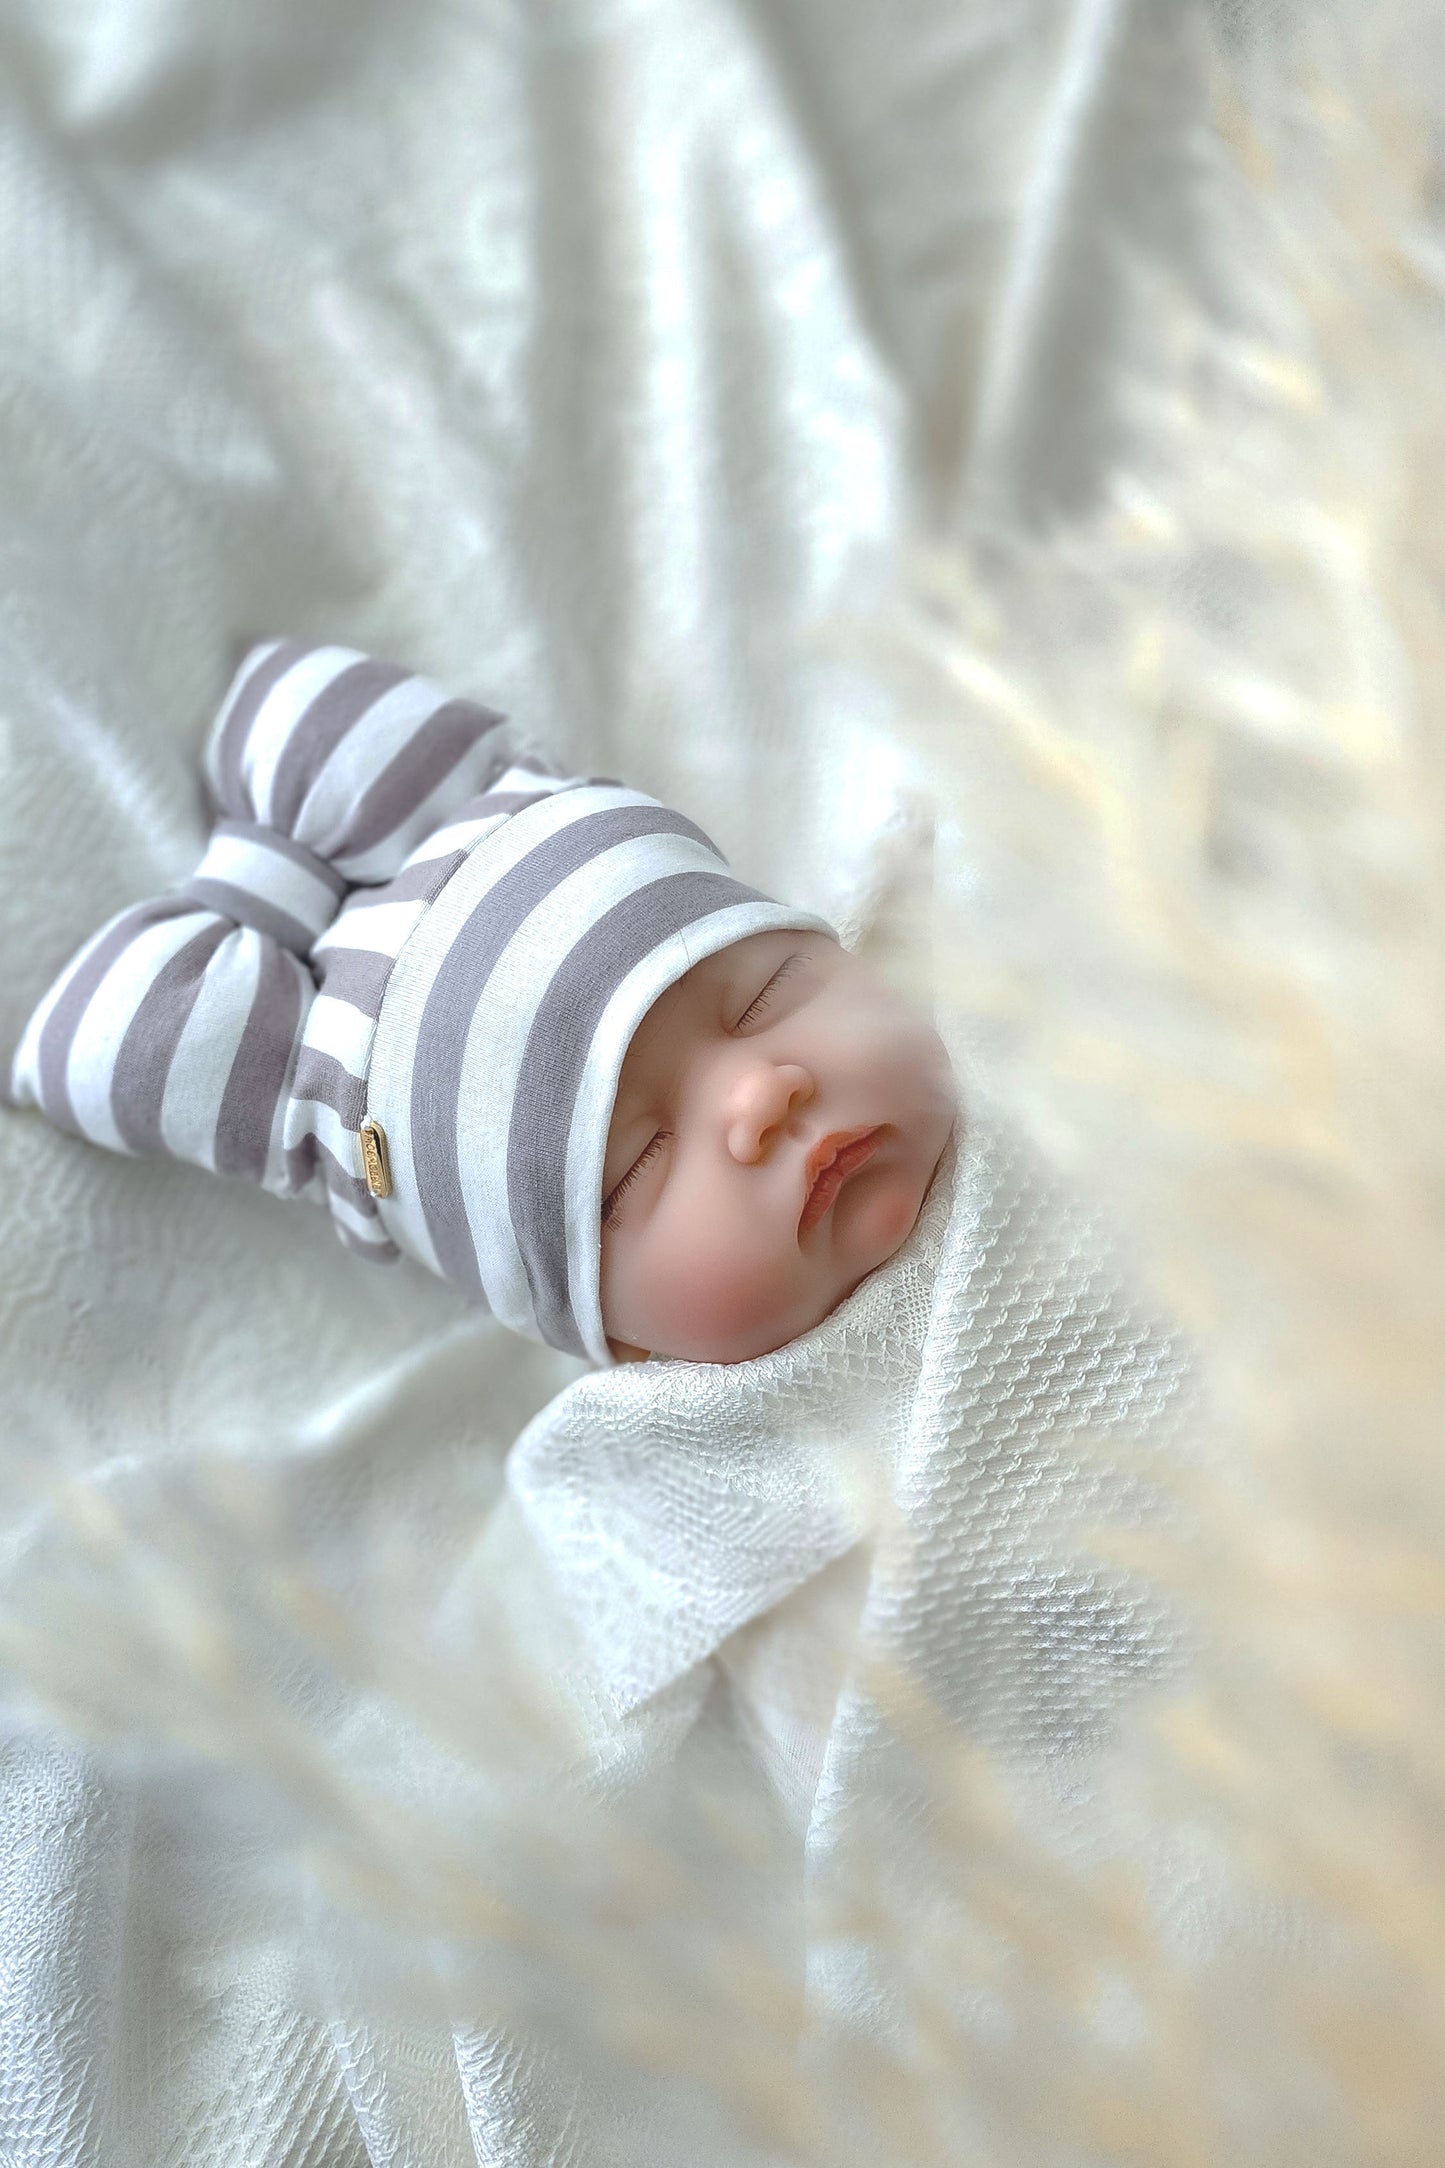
point(401, 981)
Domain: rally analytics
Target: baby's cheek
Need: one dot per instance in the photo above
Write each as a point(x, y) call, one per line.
point(885, 1219)
point(718, 1302)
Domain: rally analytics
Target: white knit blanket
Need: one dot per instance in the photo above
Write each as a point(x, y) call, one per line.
point(840, 1566)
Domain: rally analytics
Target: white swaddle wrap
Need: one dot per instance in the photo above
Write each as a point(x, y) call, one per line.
point(839, 1563)
point(673, 1503)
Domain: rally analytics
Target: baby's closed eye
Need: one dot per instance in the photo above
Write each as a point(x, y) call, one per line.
point(767, 993)
point(649, 1152)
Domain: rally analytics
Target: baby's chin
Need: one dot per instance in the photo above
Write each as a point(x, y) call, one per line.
point(623, 1354)
point(710, 1341)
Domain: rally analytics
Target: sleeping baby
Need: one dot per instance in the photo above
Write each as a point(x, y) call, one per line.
point(523, 1028)
point(527, 1030)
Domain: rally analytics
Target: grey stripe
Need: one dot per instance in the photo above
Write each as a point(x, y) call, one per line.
point(452, 1002)
point(261, 1067)
point(419, 881)
point(244, 909)
point(249, 702)
point(445, 739)
point(322, 1076)
point(271, 839)
point(310, 1157)
point(550, 1072)
point(357, 976)
point(375, 1253)
point(58, 1036)
point(143, 1058)
point(320, 728)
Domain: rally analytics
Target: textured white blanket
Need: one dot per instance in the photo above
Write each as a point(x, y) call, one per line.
point(854, 1564)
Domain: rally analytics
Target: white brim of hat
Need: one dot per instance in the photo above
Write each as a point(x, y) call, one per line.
point(587, 1146)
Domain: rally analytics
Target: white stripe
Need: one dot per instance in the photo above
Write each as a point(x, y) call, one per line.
point(457, 836)
point(499, 1033)
point(514, 780)
point(364, 1225)
point(379, 733)
point(313, 1190)
point(250, 663)
point(388, 1092)
point(271, 875)
point(273, 725)
point(206, 1051)
point(381, 1251)
point(274, 1178)
point(536, 779)
point(592, 1116)
point(25, 1069)
point(341, 1030)
point(382, 927)
point(334, 942)
point(109, 1014)
point(313, 1118)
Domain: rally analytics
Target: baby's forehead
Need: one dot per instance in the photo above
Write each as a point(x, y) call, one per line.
point(740, 961)
point(756, 944)
point(730, 970)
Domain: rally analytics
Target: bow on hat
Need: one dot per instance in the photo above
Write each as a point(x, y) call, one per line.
point(181, 1026)
point(401, 981)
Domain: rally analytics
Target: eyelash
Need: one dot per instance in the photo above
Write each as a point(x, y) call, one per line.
point(631, 1175)
point(764, 996)
point(614, 1196)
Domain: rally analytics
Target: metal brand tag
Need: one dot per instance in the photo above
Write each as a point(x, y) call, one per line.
point(375, 1159)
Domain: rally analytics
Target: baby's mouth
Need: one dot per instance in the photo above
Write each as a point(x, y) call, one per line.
point(830, 1163)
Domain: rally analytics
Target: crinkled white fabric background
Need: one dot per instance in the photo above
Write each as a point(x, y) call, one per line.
point(597, 358)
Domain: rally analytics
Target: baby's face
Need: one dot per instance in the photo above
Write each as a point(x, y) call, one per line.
point(733, 1079)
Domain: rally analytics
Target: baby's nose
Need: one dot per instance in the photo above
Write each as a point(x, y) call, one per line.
point(760, 1102)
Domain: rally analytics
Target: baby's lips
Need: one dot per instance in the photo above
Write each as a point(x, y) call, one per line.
point(831, 1161)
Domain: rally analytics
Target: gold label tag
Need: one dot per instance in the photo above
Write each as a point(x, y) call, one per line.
point(374, 1159)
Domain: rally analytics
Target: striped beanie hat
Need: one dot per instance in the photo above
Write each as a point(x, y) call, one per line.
point(400, 983)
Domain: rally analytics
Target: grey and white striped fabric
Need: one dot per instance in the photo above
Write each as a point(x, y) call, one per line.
point(398, 921)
